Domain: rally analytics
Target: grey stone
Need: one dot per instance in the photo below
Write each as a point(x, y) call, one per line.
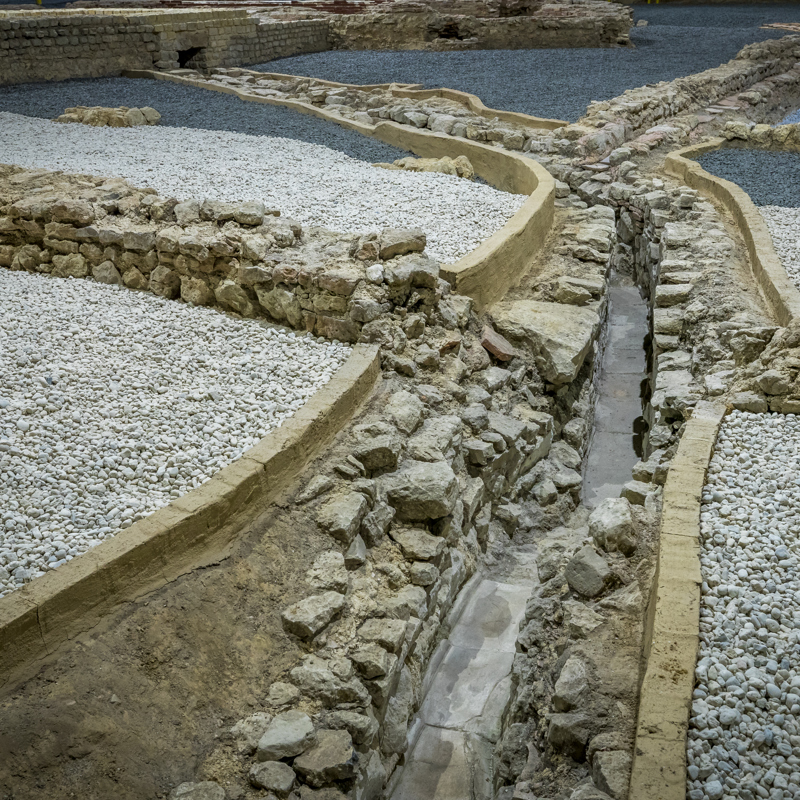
point(205, 790)
point(274, 776)
point(233, 297)
point(423, 574)
point(248, 731)
point(388, 633)
point(249, 213)
point(611, 772)
point(476, 417)
point(568, 733)
point(309, 616)
point(376, 523)
point(559, 336)
point(545, 492)
point(437, 437)
point(282, 694)
point(494, 378)
point(412, 270)
point(315, 677)
point(362, 727)
point(635, 492)
point(580, 620)
point(289, 734)
point(588, 792)
point(749, 401)
point(405, 410)
point(331, 759)
point(587, 573)
point(107, 273)
point(187, 212)
point(341, 516)
point(422, 490)
point(372, 660)
point(377, 445)
point(356, 554)
point(572, 686)
point(417, 544)
point(398, 242)
point(611, 526)
point(329, 572)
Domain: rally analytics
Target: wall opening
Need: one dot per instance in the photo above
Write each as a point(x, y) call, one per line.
point(188, 57)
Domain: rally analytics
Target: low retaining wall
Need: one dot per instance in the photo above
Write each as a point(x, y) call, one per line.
point(195, 530)
point(780, 292)
point(488, 272)
point(672, 633)
point(57, 45)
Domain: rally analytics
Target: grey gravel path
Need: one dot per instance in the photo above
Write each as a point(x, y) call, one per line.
point(562, 83)
point(187, 107)
point(752, 170)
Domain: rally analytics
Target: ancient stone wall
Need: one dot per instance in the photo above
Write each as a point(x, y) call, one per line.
point(57, 45)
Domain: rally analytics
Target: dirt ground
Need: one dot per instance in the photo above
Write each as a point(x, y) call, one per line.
point(131, 708)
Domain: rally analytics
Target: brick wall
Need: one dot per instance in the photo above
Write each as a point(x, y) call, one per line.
point(56, 45)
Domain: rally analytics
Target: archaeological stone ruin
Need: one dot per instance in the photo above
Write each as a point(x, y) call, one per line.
point(399, 400)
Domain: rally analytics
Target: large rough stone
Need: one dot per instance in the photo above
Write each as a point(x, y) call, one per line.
point(317, 680)
point(106, 272)
point(72, 265)
point(559, 336)
point(587, 573)
point(580, 620)
point(398, 242)
point(376, 523)
point(331, 759)
point(388, 633)
point(611, 526)
point(569, 733)
point(422, 490)
point(377, 445)
point(572, 685)
point(308, 617)
point(611, 772)
point(232, 296)
point(418, 544)
point(341, 516)
point(274, 776)
point(412, 270)
point(204, 790)
point(248, 731)
point(405, 410)
point(435, 440)
point(165, 282)
point(372, 660)
point(289, 734)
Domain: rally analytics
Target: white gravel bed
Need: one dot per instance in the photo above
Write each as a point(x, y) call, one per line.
point(784, 227)
point(113, 402)
point(744, 736)
point(309, 182)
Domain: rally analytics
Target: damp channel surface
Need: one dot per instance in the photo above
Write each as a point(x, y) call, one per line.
point(560, 83)
point(616, 443)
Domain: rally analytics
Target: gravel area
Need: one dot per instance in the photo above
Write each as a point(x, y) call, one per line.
point(561, 83)
point(744, 738)
point(187, 107)
point(748, 168)
point(113, 402)
point(784, 227)
point(311, 183)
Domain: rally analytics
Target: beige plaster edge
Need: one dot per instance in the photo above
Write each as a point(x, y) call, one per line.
point(489, 271)
point(672, 626)
point(195, 530)
point(781, 294)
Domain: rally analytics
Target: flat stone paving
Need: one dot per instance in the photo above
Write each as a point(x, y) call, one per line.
point(460, 719)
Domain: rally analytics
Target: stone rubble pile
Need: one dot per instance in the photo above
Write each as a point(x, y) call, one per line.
point(314, 184)
point(459, 166)
point(744, 740)
point(122, 117)
point(112, 404)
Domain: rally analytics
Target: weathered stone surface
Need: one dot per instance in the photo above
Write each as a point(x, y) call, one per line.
point(414, 270)
point(569, 733)
point(376, 523)
point(572, 686)
point(422, 490)
point(249, 213)
point(106, 272)
point(389, 633)
point(72, 265)
point(635, 492)
point(196, 291)
point(587, 572)
point(331, 759)
point(611, 771)
point(496, 344)
point(579, 619)
point(377, 445)
point(274, 776)
point(232, 296)
point(316, 679)
point(418, 544)
point(399, 242)
point(289, 734)
point(329, 572)
point(611, 526)
point(559, 336)
point(341, 516)
point(362, 727)
point(205, 790)
point(405, 410)
point(309, 616)
point(434, 441)
point(356, 554)
point(165, 282)
point(248, 731)
point(372, 660)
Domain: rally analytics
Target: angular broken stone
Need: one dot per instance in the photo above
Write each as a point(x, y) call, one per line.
point(331, 759)
point(635, 492)
point(496, 344)
point(587, 572)
point(289, 734)
point(418, 545)
point(316, 679)
point(248, 731)
point(341, 515)
point(356, 554)
point(372, 660)
point(274, 776)
point(362, 727)
point(559, 336)
point(568, 733)
point(399, 241)
point(572, 686)
point(422, 490)
point(611, 526)
point(388, 633)
point(204, 790)
point(308, 617)
point(611, 772)
point(405, 410)
point(329, 572)
point(377, 445)
point(376, 523)
point(580, 620)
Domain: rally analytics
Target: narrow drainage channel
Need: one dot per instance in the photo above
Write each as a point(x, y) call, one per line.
point(617, 441)
point(467, 689)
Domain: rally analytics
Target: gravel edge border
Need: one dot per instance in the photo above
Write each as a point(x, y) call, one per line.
point(193, 531)
point(489, 271)
point(672, 626)
point(781, 294)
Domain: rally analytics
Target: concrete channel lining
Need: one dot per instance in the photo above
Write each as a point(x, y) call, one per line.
point(672, 626)
point(488, 272)
point(782, 296)
point(195, 530)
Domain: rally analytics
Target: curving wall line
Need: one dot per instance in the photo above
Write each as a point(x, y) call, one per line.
point(782, 296)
